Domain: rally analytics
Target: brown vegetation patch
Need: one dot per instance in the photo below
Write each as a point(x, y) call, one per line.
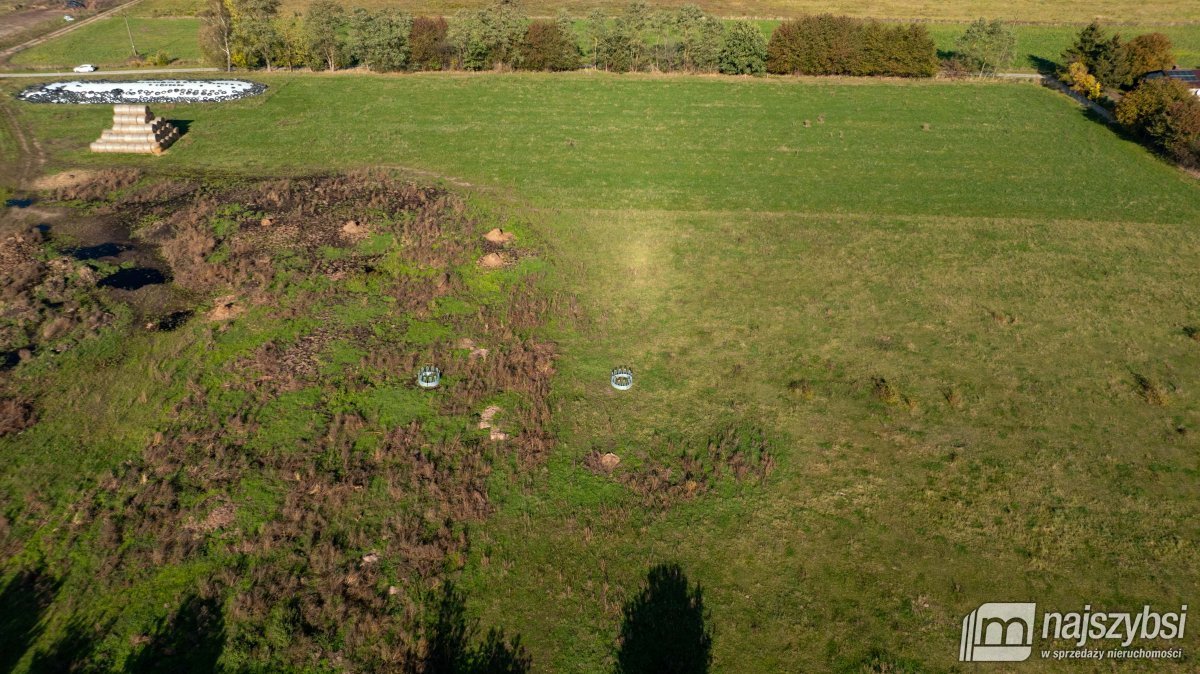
point(339, 521)
point(16, 414)
point(91, 185)
point(1151, 390)
point(42, 302)
point(65, 180)
point(885, 391)
point(677, 469)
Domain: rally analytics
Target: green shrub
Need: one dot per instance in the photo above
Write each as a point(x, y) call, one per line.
point(744, 51)
point(488, 37)
point(815, 45)
point(379, 39)
point(700, 39)
point(897, 51)
point(160, 58)
point(986, 47)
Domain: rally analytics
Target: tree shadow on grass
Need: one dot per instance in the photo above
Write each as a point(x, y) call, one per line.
point(190, 642)
point(450, 647)
point(1042, 65)
point(73, 651)
point(23, 602)
point(665, 629)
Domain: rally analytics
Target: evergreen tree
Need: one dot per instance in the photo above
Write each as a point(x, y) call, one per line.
point(744, 51)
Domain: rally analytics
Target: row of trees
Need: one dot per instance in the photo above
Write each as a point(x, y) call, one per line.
point(252, 34)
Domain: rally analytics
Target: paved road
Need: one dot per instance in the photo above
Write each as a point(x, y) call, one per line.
point(7, 53)
point(139, 71)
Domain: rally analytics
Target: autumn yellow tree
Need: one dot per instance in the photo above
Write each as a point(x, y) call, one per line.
point(1081, 81)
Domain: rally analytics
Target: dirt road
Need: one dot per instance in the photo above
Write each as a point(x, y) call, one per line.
point(139, 71)
point(30, 155)
point(7, 53)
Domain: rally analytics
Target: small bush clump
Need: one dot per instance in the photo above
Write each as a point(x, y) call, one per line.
point(1166, 113)
point(1151, 390)
point(549, 46)
point(428, 48)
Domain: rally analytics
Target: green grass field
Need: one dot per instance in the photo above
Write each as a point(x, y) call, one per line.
point(1017, 274)
point(106, 43)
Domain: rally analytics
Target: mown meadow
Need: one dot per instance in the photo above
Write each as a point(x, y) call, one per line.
point(961, 316)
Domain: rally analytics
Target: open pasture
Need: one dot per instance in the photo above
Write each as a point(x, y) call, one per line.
point(961, 314)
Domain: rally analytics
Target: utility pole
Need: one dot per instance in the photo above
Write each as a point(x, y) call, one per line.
point(132, 46)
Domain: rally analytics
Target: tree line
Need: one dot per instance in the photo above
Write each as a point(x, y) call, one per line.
point(253, 34)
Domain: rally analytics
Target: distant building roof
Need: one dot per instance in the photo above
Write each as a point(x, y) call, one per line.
point(1189, 77)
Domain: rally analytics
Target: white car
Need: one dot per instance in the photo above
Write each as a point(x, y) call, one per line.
point(68, 17)
point(85, 68)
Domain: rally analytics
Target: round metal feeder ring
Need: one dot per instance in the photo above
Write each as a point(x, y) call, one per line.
point(429, 377)
point(622, 379)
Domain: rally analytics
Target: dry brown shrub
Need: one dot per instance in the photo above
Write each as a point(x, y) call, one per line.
point(16, 414)
point(679, 469)
point(1151, 390)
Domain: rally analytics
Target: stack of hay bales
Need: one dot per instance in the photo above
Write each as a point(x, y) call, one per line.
point(135, 129)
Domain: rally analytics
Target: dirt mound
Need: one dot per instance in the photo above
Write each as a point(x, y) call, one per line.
point(89, 185)
point(226, 308)
point(492, 261)
point(498, 236)
point(355, 230)
point(66, 180)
